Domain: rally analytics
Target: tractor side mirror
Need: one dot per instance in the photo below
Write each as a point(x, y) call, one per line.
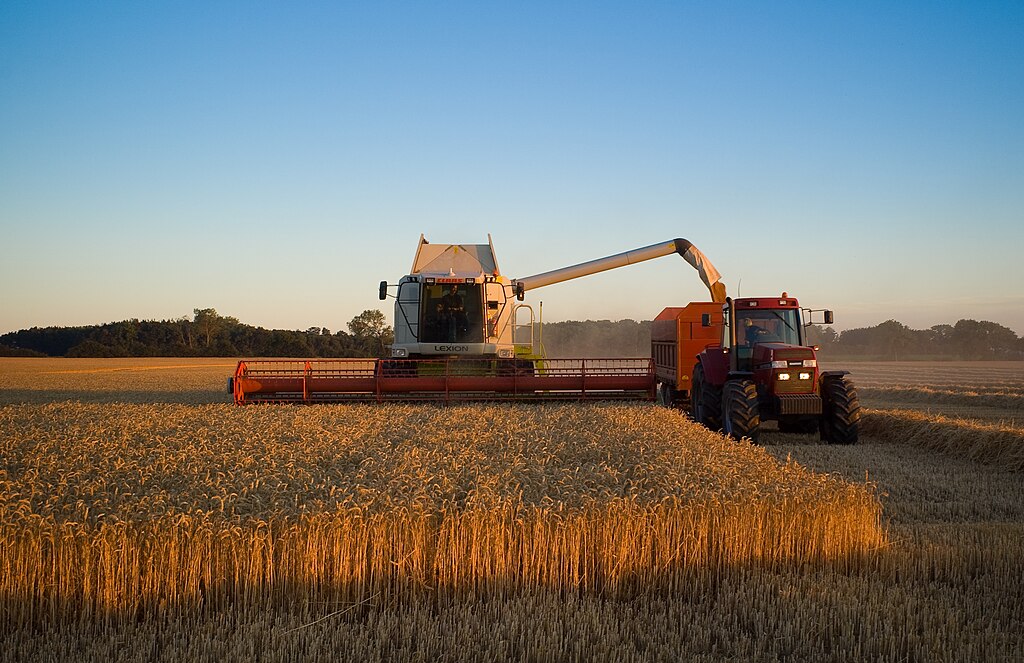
point(383, 294)
point(705, 319)
point(828, 317)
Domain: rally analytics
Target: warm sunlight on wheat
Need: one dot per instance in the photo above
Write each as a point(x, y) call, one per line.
point(132, 508)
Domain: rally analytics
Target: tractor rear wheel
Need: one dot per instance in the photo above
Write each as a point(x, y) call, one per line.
point(706, 401)
point(840, 416)
point(740, 414)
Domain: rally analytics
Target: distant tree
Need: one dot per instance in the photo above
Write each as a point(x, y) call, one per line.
point(208, 322)
point(888, 340)
point(371, 332)
point(824, 337)
point(7, 351)
point(983, 340)
point(91, 348)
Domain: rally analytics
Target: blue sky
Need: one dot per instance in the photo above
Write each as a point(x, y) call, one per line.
point(276, 163)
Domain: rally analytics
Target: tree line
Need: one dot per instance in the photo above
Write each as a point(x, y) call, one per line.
point(887, 341)
point(205, 334)
point(893, 341)
point(208, 334)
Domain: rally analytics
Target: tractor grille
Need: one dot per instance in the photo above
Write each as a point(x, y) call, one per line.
point(799, 404)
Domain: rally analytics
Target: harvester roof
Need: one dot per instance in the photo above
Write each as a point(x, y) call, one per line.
point(458, 259)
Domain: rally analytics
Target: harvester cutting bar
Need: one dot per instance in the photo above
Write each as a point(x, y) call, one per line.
point(441, 380)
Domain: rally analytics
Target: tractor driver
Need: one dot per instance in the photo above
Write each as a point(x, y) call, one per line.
point(753, 333)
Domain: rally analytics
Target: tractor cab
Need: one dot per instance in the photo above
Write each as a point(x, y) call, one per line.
point(761, 321)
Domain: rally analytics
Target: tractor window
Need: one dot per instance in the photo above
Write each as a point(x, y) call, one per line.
point(452, 313)
point(767, 326)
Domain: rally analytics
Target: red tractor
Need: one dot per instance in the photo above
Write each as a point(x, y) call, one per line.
point(752, 365)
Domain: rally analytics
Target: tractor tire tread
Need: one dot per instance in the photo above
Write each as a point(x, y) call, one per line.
point(710, 397)
point(740, 406)
point(841, 411)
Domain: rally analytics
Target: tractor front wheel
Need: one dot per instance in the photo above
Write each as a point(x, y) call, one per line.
point(740, 414)
point(706, 401)
point(840, 416)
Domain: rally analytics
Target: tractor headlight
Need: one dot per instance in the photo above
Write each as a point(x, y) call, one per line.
point(505, 353)
point(782, 376)
point(805, 376)
point(779, 363)
point(399, 352)
point(810, 363)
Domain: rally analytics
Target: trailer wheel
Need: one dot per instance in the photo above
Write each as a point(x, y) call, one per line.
point(740, 414)
point(706, 401)
point(840, 417)
point(666, 395)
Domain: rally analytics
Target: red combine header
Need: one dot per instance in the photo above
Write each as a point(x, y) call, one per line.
point(441, 380)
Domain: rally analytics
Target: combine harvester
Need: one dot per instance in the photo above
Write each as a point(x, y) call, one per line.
point(461, 333)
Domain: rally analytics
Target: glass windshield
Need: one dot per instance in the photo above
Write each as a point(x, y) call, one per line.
point(767, 326)
point(452, 313)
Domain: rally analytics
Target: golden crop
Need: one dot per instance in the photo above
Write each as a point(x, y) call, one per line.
point(126, 508)
point(144, 518)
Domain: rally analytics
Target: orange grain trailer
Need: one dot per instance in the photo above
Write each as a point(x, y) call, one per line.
point(677, 337)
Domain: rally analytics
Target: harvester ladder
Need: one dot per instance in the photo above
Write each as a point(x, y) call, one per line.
point(519, 330)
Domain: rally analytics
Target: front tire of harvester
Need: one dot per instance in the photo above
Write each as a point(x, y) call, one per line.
point(740, 414)
point(840, 416)
point(706, 401)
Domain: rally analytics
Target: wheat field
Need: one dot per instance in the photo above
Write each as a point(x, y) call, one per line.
point(145, 518)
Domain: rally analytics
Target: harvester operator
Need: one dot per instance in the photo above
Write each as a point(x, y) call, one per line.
point(455, 314)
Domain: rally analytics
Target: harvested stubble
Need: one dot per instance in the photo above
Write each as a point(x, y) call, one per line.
point(997, 444)
point(116, 510)
point(1011, 400)
point(955, 375)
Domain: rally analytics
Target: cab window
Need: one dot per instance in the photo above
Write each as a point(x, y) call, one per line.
point(452, 313)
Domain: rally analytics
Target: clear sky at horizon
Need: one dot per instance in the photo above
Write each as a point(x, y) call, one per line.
point(275, 162)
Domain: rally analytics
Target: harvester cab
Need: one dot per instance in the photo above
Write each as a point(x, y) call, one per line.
point(455, 302)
